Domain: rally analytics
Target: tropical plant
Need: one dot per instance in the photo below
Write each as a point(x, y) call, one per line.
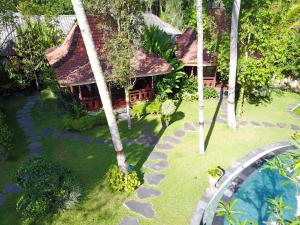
point(33, 39)
point(83, 123)
point(172, 12)
point(277, 209)
point(168, 108)
point(227, 211)
point(158, 42)
point(47, 188)
point(100, 80)
point(119, 182)
point(214, 172)
point(119, 53)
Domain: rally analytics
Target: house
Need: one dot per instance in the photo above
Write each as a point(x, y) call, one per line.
point(187, 50)
point(70, 63)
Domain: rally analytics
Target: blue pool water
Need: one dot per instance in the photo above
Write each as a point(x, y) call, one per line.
point(253, 194)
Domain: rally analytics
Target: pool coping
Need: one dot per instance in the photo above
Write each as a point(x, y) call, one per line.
point(233, 172)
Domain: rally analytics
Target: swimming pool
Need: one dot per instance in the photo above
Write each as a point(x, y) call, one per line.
point(252, 196)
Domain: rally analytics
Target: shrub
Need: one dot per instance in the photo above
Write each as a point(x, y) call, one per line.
point(153, 107)
point(139, 110)
point(214, 172)
point(119, 182)
point(296, 136)
point(210, 93)
point(6, 136)
point(83, 123)
point(47, 188)
point(168, 108)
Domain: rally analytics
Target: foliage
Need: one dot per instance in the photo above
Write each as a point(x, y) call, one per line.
point(158, 42)
point(33, 39)
point(189, 90)
point(126, 13)
point(120, 182)
point(6, 136)
point(228, 211)
point(47, 188)
point(145, 108)
point(45, 7)
point(168, 108)
point(296, 136)
point(172, 12)
point(277, 209)
point(83, 123)
point(223, 56)
point(214, 172)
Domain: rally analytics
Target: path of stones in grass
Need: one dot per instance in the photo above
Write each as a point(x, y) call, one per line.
point(157, 161)
point(33, 139)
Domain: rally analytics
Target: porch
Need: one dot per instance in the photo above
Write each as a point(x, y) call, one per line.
point(209, 74)
point(88, 94)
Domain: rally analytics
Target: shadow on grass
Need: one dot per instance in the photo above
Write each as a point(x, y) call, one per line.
point(213, 123)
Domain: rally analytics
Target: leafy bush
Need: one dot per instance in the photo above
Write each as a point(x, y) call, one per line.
point(145, 108)
point(47, 188)
point(214, 172)
point(296, 136)
point(83, 123)
point(210, 93)
point(6, 136)
point(153, 107)
point(119, 181)
point(139, 110)
point(189, 91)
point(168, 108)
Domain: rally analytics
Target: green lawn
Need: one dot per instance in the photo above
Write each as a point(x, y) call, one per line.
point(186, 178)
point(297, 111)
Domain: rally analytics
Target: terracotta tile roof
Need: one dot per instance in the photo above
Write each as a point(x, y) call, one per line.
point(70, 63)
point(187, 43)
point(187, 49)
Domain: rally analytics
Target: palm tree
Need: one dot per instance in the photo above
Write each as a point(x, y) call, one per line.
point(200, 74)
point(100, 80)
point(233, 63)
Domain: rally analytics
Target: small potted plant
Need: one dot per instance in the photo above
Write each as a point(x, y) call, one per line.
point(214, 174)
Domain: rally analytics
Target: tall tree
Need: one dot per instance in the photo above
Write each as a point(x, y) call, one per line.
point(233, 63)
point(100, 80)
point(200, 75)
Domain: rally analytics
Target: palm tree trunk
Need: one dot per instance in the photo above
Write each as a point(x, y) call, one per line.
point(200, 75)
point(127, 107)
point(233, 63)
point(100, 80)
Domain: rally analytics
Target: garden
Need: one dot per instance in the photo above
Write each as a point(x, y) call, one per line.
point(151, 162)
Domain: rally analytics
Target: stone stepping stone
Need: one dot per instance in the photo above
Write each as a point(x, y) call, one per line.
point(65, 135)
point(76, 137)
point(152, 140)
point(144, 192)
point(243, 123)
point(147, 133)
point(179, 133)
point(12, 188)
point(141, 140)
point(99, 141)
point(34, 145)
point(128, 141)
point(281, 125)
point(268, 124)
point(154, 179)
point(295, 127)
point(157, 155)
point(34, 152)
point(171, 140)
point(156, 166)
point(189, 127)
point(143, 209)
point(196, 124)
point(34, 138)
point(30, 133)
point(164, 146)
point(48, 132)
point(109, 142)
point(128, 220)
point(254, 123)
point(2, 199)
point(206, 122)
point(87, 140)
point(220, 120)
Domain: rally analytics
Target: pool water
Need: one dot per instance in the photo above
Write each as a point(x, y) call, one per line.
point(253, 194)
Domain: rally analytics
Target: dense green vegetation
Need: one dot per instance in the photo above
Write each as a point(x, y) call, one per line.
point(6, 136)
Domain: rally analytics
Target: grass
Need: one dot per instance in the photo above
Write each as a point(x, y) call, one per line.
point(186, 177)
point(297, 111)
